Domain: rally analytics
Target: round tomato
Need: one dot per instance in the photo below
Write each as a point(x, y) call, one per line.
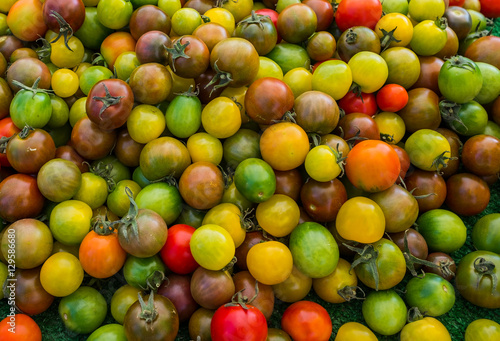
point(306, 320)
point(83, 311)
point(337, 286)
point(427, 328)
point(482, 329)
point(61, 274)
point(26, 329)
point(485, 233)
point(443, 230)
point(429, 37)
point(176, 253)
point(270, 262)
point(430, 293)
point(349, 15)
point(354, 331)
point(255, 180)
point(70, 221)
point(372, 165)
point(476, 279)
point(428, 149)
point(384, 312)
point(233, 321)
point(212, 247)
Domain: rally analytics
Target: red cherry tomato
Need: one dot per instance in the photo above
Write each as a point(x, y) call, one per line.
point(306, 321)
point(176, 253)
point(392, 97)
point(363, 103)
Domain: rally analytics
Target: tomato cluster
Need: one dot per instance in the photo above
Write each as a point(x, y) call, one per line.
point(186, 164)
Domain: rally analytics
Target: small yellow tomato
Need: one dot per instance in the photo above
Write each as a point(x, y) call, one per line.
point(61, 274)
point(221, 117)
point(323, 163)
point(299, 80)
point(328, 288)
point(204, 147)
point(61, 57)
point(227, 216)
point(223, 17)
point(425, 329)
point(65, 83)
point(77, 111)
point(145, 123)
point(400, 26)
point(360, 219)
point(279, 215)
point(391, 126)
point(268, 68)
point(355, 331)
point(270, 262)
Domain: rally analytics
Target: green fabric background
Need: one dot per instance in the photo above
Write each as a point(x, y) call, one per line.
point(456, 320)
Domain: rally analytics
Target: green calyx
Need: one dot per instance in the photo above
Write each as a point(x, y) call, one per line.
point(368, 255)
point(177, 51)
point(65, 29)
point(107, 101)
point(128, 224)
point(148, 311)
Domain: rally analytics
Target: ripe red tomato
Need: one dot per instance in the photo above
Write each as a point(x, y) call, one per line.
point(362, 103)
point(490, 8)
point(392, 97)
point(176, 253)
point(306, 320)
point(349, 14)
point(233, 322)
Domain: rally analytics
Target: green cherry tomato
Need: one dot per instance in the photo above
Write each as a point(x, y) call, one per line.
point(109, 332)
point(384, 312)
point(83, 311)
point(314, 250)
point(431, 294)
point(486, 233)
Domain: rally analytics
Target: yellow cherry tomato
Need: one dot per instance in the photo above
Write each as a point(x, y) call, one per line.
point(360, 219)
point(327, 288)
point(299, 80)
point(212, 247)
point(270, 262)
point(355, 331)
point(61, 57)
point(279, 215)
point(482, 329)
point(391, 126)
point(204, 147)
point(228, 216)
point(268, 68)
point(425, 329)
point(61, 274)
point(65, 83)
point(221, 117)
point(223, 17)
point(323, 163)
point(185, 21)
point(145, 123)
point(400, 26)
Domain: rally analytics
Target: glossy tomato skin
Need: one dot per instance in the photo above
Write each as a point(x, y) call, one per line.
point(164, 327)
point(26, 328)
point(467, 194)
point(474, 284)
point(72, 11)
point(201, 185)
point(27, 152)
point(482, 329)
point(235, 322)
point(306, 320)
point(363, 103)
point(177, 289)
point(427, 328)
point(314, 250)
point(90, 141)
point(176, 253)
point(432, 294)
point(485, 234)
point(31, 297)
point(384, 312)
point(380, 157)
point(112, 116)
point(25, 20)
point(323, 200)
point(349, 15)
point(268, 99)
point(20, 198)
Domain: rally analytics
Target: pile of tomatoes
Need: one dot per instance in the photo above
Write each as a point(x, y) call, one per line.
point(184, 165)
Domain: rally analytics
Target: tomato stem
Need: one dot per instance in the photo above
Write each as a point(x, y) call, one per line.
point(223, 77)
point(177, 51)
point(368, 255)
point(485, 268)
point(155, 280)
point(387, 38)
point(34, 88)
point(107, 101)
point(65, 29)
point(254, 18)
point(414, 314)
point(45, 50)
point(411, 260)
point(128, 224)
point(350, 292)
point(148, 311)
